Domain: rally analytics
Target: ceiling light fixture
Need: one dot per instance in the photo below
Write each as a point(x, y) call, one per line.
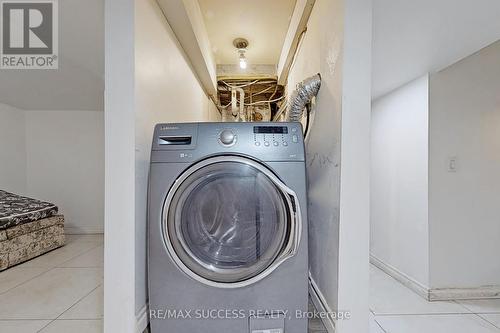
point(243, 60)
point(241, 45)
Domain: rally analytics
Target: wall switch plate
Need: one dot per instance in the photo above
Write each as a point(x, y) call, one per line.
point(452, 164)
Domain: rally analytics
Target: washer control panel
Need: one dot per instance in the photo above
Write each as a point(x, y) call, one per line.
point(264, 136)
point(275, 136)
point(267, 141)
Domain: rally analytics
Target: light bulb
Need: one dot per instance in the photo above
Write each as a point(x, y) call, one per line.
point(243, 63)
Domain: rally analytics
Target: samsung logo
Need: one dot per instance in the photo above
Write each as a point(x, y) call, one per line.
point(166, 128)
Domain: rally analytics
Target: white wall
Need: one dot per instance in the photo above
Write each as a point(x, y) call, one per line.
point(337, 44)
point(446, 236)
point(354, 232)
point(65, 165)
point(399, 180)
point(166, 91)
point(323, 145)
point(464, 205)
point(57, 156)
point(119, 113)
point(12, 149)
point(148, 80)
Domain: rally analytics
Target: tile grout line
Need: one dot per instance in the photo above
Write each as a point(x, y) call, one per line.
point(486, 320)
point(379, 325)
point(462, 305)
point(81, 297)
point(76, 256)
point(34, 277)
point(48, 269)
point(78, 301)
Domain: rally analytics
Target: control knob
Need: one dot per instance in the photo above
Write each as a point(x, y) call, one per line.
point(227, 137)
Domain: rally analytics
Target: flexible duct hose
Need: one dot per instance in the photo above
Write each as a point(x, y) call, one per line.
point(305, 91)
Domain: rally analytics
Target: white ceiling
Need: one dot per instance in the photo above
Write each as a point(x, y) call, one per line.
point(78, 84)
point(412, 37)
point(263, 23)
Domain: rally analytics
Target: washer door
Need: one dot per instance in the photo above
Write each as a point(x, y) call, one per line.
point(228, 221)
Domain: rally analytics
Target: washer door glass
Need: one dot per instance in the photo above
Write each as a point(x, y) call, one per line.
point(228, 221)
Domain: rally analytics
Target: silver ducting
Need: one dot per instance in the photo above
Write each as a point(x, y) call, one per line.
point(302, 95)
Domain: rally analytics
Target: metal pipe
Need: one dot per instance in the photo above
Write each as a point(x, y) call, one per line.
point(234, 106)
point(242, 103)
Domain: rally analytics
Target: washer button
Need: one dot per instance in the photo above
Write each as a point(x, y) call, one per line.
point(257, 143)
point(227, 137)
point(276, 143)
point(266, 143)
point(295, 138)
point(285, 143)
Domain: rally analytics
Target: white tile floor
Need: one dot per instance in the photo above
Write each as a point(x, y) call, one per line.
point(62, 292)
point(397, 309)
point(58, 292)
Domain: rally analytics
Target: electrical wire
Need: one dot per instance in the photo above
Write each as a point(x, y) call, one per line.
point(308, 114)
point(274, 93)
point(270, 101)
point(261, 92)
point(281, 109)
point(241, 86)
point(260, 81)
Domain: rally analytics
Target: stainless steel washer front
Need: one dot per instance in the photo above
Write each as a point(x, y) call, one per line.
point(228, 221)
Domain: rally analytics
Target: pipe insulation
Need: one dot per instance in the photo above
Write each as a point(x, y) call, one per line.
point(302, 95)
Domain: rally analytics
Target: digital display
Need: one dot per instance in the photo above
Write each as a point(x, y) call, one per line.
point(270, 129)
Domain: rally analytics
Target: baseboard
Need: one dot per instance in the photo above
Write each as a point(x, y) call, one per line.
point(450, 294)
point(321, 305)
point(142, 319)
point(72, 230)
point(401, 277)
point(436, 294)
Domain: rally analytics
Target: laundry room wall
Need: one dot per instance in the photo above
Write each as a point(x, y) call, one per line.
point(65, 165)
point(12, 149)
point(464, 203)
point(339, 140)
point(399, 181)
point(323, 155)
point(166, 90)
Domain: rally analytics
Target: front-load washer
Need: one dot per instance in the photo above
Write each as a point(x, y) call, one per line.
point(227, 229)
